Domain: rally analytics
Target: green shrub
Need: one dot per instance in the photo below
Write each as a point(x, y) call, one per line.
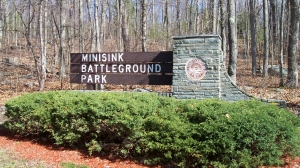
point(241, 134)
point(159, 130)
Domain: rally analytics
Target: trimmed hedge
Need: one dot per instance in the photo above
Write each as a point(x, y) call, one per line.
point(159, 130)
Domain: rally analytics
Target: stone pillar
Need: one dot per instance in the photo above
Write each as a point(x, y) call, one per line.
point(199, 70)
point(196, 66)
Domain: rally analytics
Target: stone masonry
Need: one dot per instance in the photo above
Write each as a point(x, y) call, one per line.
point(199, 70)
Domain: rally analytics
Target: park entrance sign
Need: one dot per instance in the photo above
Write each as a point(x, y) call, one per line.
point(138, 68)
point(195, 69)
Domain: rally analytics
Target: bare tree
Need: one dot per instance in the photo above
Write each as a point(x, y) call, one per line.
point(26, 22)
point(62, 39)
point(178, 27)
point(6, 20)
point(80, 11)
point(27, 38)
point(103, 21)
point(280, 58)
point(29, 19)
point(97, 31)
point(144, 24)
point(1, 24)
point(205, 21)
point(246, 30)
point(137, 22)
point(215, 16)
point(253, 35)
point(223, 27)
point(189, 16)
point(273, 29)
point(15, 24)
point(118, 22)
point(124, 26)
point(232, 38)
point(42, 14)
point(91, 25)
point(266, 38)
point(198, 12)
point(292, 79)
point(166, 20)
point(72, 31)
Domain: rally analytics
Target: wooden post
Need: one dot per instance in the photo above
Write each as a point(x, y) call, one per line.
point(91, 87)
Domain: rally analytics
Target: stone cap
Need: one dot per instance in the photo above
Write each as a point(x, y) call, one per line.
point(197, 36)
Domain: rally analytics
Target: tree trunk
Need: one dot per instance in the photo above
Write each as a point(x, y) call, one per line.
point(253, 36)
point(144, 25)
point(14, 28)
point(280, 58)
point(103, 21)
point(273, 29)
point(119, 24)
point(246, 33)
point(166, 21)
point(190, 23)
point(266, 38)
point(206, 26)
point(1, 25)
point(136, 27)
point(215, 17)
point(110, 20)
point(223, 27)
point(62, 39)
point(153, 17)
point(91, 25)
point(232, 41)
point(42, 76)
point(28, 21)
point(81, 41)
point(125, 36)
point(97, 26)
point(198, 14)
point(292, 79)
point(55, 52)
point(178, 23)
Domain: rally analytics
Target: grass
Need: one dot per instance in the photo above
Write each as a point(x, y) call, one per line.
point(8, 160)
point(71, 165)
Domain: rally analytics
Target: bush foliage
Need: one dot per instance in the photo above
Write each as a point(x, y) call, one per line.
point(159, 130)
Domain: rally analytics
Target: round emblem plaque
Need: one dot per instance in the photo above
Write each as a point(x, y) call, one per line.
point(195, 69)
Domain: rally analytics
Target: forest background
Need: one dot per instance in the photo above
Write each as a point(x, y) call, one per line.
point(37, 37)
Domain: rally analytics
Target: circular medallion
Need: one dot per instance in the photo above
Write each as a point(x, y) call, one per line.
point(195, 69)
